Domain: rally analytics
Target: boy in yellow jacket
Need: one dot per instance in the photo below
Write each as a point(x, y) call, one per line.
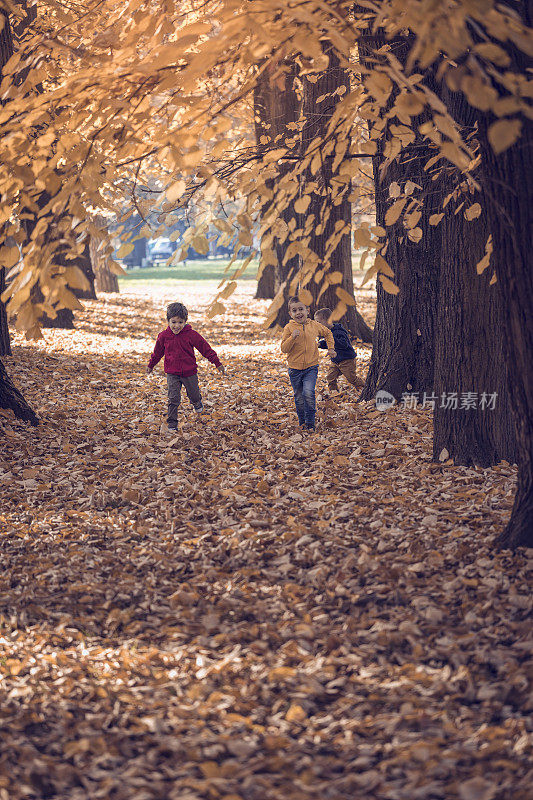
point(299, 342)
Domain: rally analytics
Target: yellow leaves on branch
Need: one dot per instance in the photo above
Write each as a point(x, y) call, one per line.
point(504, 133)
point(473, 212)
point(388, 285)
point(142, 111)
point(175, 191)
point(485, 261)
point(125, 250)
point(394, 212)
point(345, 296)
point(384, 272)
point(302, 204)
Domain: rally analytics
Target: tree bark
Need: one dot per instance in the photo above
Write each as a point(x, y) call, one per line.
point(105, 280)
point(5, 343)
point(330, 207)
point(403, 350)
point(326, 258)
point(508, 186)
point(64, 320)
point(266, 285)
point(10, 397)
point(84, 263)
point(469, 356)
point(268, 281)
point(277, 105)
point(6, 51)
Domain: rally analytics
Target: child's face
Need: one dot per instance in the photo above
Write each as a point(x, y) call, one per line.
point(323, 321)
point(298, 312)
point(176, 324)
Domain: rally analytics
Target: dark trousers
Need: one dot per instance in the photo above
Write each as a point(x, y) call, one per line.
point(303, 382)
point(174, 384)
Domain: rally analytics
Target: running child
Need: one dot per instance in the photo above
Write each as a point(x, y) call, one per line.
point(344, 362)
point(299, 343)
point(177, 344)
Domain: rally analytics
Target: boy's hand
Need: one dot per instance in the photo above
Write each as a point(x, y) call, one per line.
point(332, 353)
point(295, 334)
point(221, 369)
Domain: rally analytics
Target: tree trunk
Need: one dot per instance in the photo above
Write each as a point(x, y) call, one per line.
point(469, 357)
point(6, 51)
point(63, 320)
point(330, 207)
point(277, 105)
point(266, 285)
point(470, 365)
point(10, 397)
point(404, 334)
point(84, 263)
point(105, 280)
point(508, 186)
point(5, 344)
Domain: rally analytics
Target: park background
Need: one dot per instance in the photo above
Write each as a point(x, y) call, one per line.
point(238, 611)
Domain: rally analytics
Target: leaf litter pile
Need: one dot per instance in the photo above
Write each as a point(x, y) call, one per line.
point(240, 612)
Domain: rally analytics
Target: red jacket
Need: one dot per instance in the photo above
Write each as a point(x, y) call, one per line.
point(178, 349)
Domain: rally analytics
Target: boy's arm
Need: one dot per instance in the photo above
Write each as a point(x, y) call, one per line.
point(205, 349)
point(328, 336)
point(158, 353)
point(287, 340)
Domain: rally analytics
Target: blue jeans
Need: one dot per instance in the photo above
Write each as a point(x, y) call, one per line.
point(303, 382)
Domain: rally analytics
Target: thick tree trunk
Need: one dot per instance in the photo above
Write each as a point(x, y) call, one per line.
point(5, 344)
point(63, 320)
point(295, 273)
point(84, 263)
point(330, 207)
point(508, 186)
point(10, 397)
point(6, 51)
point(266, 285)
point(472, 418)
point(277, 105)
point(105, 280)
point(403, 350)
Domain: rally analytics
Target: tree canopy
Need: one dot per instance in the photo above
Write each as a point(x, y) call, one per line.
point(101, 97)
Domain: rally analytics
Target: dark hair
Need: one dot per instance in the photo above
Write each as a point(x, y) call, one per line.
point(293, 299)
point(177, 310)
point(323, 313)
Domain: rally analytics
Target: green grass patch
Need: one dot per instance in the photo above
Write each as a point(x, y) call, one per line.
point(208, 270)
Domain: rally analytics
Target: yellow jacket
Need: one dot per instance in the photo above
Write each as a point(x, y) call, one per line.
point(302, 352)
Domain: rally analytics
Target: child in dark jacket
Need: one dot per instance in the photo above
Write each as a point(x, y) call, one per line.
point(344, 362)
point(177, 343)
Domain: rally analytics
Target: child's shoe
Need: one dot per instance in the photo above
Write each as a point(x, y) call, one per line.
point(310, 427)
point(199, 409)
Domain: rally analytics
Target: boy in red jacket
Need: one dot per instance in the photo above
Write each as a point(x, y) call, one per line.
point(177, 344)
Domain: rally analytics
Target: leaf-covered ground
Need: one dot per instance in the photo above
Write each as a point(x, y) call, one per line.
point(240, 612)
